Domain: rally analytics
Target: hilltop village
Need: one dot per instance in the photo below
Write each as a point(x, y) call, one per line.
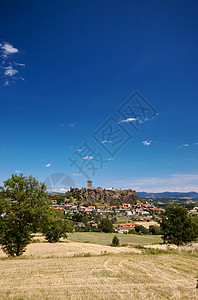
point(88, 206)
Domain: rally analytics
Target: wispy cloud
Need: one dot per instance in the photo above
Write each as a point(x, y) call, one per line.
point(87, 157)
point(72, 125)
point(183, 146)
point(128, 120)
point(10, 70)
point(146, 143)
point(48, 165)
point(77, 174)
point(62, 190)
point(176, 182)
point(105, 142)
point(186, 145)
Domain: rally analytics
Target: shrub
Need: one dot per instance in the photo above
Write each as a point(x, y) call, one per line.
point(141, 229)
point(132, 231)
point(155, 230)
point(115, 241)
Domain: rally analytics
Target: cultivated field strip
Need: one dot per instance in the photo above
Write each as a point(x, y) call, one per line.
point(100, 275)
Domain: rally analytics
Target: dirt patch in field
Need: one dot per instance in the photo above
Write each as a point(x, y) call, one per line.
point(146, 224)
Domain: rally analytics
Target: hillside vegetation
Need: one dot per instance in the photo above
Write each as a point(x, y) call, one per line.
point(102, 196)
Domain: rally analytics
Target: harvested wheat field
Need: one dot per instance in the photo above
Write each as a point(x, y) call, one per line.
point(71, 270)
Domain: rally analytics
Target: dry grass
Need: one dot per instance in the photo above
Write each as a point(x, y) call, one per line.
point(61, 271)
point(146, 224)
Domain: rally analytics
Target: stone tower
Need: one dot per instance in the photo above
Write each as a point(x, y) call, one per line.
point(89, 184)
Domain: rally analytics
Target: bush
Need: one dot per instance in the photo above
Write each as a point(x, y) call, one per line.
point(54, 229)
point(155, 230)
point(141, 229)
point(132, 231)
point(115, 241)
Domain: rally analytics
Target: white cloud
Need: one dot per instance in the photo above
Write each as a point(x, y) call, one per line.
point(76, 174)
point(110, 158)
point(184, 145)
point(128, 120)
point(19, 64)
point(87, 157)
point(18, 172)
point(105, 141)
point(8, 49)
point(48, 165)
point(63, 190)
point(10, 71)
point(146, 143)
point(72, 125)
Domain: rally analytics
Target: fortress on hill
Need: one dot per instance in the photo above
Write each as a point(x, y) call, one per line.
point(104, 196)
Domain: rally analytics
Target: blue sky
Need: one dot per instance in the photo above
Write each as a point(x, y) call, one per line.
point(67, 67)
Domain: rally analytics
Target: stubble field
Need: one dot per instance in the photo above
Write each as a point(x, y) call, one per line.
point(71, 270)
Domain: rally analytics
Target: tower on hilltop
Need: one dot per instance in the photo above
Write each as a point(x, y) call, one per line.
point(89, 184)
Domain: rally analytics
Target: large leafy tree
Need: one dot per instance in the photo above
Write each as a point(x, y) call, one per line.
point(177, 227)
point(106, 225)
point(24, 210)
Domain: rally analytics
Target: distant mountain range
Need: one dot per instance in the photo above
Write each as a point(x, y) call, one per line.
point(192, 195)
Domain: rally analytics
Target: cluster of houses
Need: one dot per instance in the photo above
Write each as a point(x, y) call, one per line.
point(140, 212)
point(124, 228)
point(126, 209)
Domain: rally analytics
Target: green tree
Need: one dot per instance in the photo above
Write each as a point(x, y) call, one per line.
point(177, 227)
point(155, 230)
point(23, 202)
point(141, 229)
point(115, 241)
point(106, 226)
point(54, 228)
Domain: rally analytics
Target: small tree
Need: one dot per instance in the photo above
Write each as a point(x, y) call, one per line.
point(141, 229)
point(54, 228)
point(177, 227)
point(115, 241)
point(155, 230)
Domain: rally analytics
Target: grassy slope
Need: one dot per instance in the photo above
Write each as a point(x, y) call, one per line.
point(106, 238)
point(113, 276)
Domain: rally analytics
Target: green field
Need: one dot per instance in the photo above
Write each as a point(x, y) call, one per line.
point(106, 238)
